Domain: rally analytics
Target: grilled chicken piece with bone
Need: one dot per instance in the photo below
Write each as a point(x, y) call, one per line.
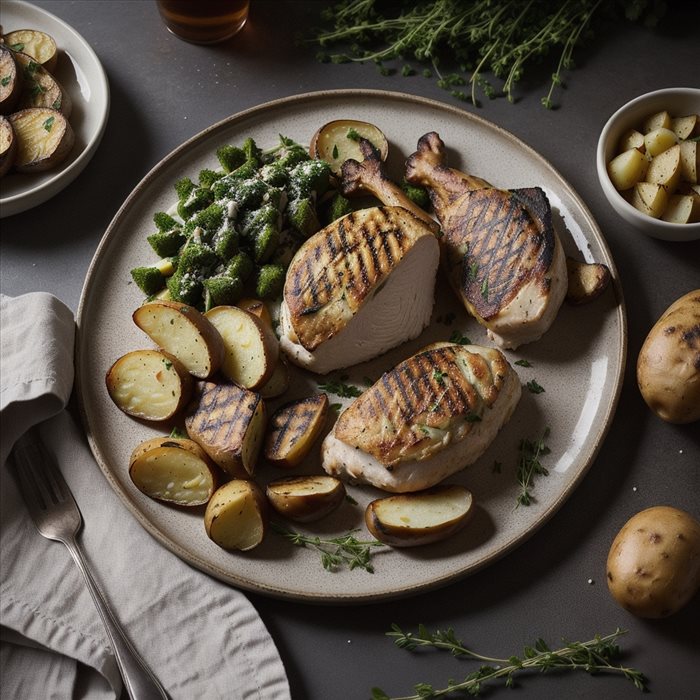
point(499, 248)
point(358, 288)
point(427, 418)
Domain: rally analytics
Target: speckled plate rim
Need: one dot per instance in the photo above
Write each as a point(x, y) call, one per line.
point(585, 459)
point(42, 186)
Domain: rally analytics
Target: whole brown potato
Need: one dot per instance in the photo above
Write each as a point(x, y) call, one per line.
point(668, 367)
point(653, 567)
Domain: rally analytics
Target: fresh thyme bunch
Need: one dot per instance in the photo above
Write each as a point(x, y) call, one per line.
point(500, 37)
point(594, 656)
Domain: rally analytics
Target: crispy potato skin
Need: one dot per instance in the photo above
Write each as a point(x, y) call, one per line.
point(668, 366)
point(8, 145)
point(32, 154)
point(653, 567)
point(10, 92)
point(586, 281)
point(305, 498)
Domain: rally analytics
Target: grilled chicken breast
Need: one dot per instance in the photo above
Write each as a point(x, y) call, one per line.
point(358, 288)
point(427, 418)
point(500, 251)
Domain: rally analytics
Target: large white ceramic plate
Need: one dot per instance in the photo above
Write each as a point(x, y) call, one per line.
point(80, 72)
point(579, 362)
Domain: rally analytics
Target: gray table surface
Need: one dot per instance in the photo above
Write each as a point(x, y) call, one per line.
point(553, 586)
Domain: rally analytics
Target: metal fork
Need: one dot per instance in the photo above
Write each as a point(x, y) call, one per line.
point(57, 517)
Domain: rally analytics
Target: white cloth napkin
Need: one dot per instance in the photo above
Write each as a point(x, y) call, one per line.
point(202, 638)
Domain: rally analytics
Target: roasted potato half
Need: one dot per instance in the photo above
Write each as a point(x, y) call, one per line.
point(40, 88)
point(305, 498)
point(8, 145)
point(586, 281)
point(278, 382)
point(258, 308)
point(185, 333)
point(228, 422)
point(653, 566)
point(11, 82)
point(44, 139)
point(236, 516)
point(173, 470)
point(251, 348)
point(293, 429)
point(39, 45)
point(413, 519)
point(337, 141)
point(149, 384)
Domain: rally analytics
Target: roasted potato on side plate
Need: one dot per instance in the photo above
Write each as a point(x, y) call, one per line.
point(174, 470)
point(251, 348)
point(8, 145)
point(40, 88)
point(305, 498)
point(11, 83)
point(236, 516)
point(44, 139)
point(338, 140)
point(185, 333)
point(586, 281)
point(149, 384)
point(413, 519)
point(228, 422)
point(293, 429)
point(39, 45)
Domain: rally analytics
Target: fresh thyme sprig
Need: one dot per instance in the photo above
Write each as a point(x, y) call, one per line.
point(529, 465)
point(500, 37)
point(335, 552)
point(594, 656)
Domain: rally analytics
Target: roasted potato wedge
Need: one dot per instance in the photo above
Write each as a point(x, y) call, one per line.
point(278, 382)
point(258, 308)
point(185, 333)
point(39, 45)
point(665, 168)
point(251, 347)
point(690, 161)
point(8, 145)
point(687, 126)
point(586, 281)
point(650, 198)
point(228, 422)
point(11, 83)
point(149, 384)
point(627, 169)
point(40, 88)
point(44, 139)
point(631, 139)
point(413, 519)
point(682, 209)
point(173, 470)
point(658, 120)
point(236, 516)
point(305, 498)
point(293, 429)
point(337, 141)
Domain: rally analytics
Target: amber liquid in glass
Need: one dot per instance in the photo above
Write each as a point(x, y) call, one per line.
point(204, 21)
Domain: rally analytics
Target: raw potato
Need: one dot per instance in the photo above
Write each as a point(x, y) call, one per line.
point(653, 567)
point(650, 198)
point(251, 348)
point(44, 139)
point(668, 367)
point(8, 145)
point(682, 209)
point(185, 333)
point(40, 88)
point(413, 519)
point(686, 127)
point(39, 45)
point(236, 516)
point(690, 161)
point(173, 470)
point(631, 139)
point(332, 143)
point(293, 430)
point(659, 140)
point(628, 168)
point(11, 84)
point(305, 498)
point(149, 384)
point(657, 121)
point(228, 422)
point(665, 169)
point(278, 382)
point(586, 281)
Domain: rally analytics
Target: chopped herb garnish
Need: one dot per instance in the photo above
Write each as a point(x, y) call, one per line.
point(438, 376)
point(37, 90)
point(529, 466)
point(485, 288)
point(350, 499)
point(336, 407)
point(457, 337)
point(534, 387)
point(339, 388)
point(523, 363)
point(17, 47)
point(178, 433)
point(335, 150)
point(353, 135)
point(56, 103)
point(5, 81)
point(49, 123)
point(473, 270)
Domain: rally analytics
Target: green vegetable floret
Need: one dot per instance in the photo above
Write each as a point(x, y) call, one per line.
point(269, 281)
point(337, 207)
point(249, 194)
point(274, 174)
point(302, 217)
point(149, 279)
point(197, 262)
point(225, 241)
point(208, 177)
point(197, 198)
point(240, 266)
point(418, 195)
point(309, 179)
point(230, 157)
point(289, 153)
point(220, 290)
point(253, 154)
point(164, 222)
point(167, 243)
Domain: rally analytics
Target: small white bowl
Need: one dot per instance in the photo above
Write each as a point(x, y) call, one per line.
point(678, 102)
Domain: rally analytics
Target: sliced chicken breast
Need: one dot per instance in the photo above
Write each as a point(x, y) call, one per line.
point(358, 288)
point(500, 251)
point(427, 418)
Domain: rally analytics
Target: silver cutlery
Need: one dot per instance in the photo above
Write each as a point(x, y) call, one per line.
point(56, 515)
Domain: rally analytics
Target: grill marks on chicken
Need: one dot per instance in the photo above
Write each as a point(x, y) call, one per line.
point(413, 410)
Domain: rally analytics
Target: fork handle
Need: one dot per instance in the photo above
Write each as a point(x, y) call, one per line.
point(139, 680)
